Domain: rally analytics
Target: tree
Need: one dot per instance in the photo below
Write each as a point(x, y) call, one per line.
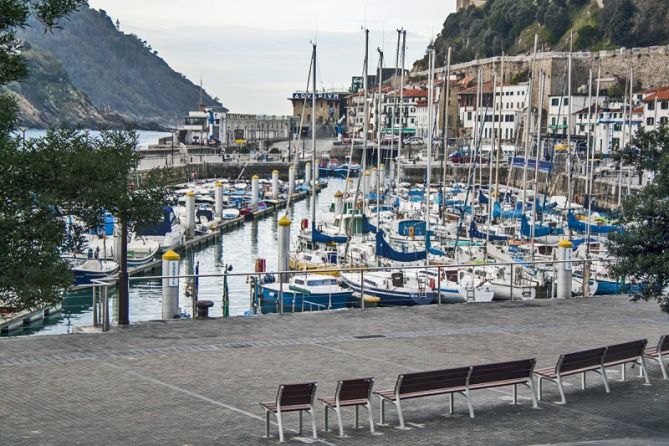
point(46, 183)
point(643, 247)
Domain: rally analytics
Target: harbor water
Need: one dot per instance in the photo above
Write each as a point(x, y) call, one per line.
point(239, 247)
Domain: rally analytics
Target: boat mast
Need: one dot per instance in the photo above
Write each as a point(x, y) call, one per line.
point(401, 108)
point(446, 108)
point(313, 141)
point(499, 126)
point(528, 123)
point(629, 127)
point(536, 161)
point(378, 141)
point(430, 111)
point(622, 138)
point(589, 135)
point(569, 113)
point(394, 107)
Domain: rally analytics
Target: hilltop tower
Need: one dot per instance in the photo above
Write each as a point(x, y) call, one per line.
point(463, 4)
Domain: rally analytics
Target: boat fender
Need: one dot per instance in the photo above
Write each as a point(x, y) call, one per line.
point(432, 284)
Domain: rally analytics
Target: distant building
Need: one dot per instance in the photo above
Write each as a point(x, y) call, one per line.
point(464, 4)
point(655, 108)
point(330, 108)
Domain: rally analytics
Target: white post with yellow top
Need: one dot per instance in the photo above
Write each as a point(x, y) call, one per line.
point(254, 192)
point(564, 270)
point(170, 285)
point(275, 185)
point(284, 247)
point(218, 199)
point(339, 203)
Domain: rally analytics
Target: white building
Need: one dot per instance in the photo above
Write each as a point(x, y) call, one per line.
point(500, 111)
point(559, 108)
point(610, 126)
point(655, 108)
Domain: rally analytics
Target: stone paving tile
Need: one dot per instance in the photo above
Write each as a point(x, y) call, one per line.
point(199, 382)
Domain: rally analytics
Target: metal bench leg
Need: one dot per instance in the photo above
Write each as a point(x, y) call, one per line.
point(583, 381)
point(371, 416)
point(382, 416)
point(558, 381)
point(663, 366)
point(267, 424)
point(327, 429)
point(451, 402)
point(470, 405)
point(278, 419)
point(357, 416)
point(314, 432)
point(530, 384)
point(606, 381)
point(339, 422)
point(623, 372)
point(514, 394)
point(299, 421)
point(399, 414)
point(539, 383)
point(644, 370)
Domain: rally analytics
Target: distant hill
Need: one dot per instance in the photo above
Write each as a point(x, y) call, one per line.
point(509, 26)
point(88, 73)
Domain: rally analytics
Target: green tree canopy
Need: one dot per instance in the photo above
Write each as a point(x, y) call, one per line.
point(643, 247)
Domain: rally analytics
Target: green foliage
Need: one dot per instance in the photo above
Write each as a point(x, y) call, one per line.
point(502, 26)
point(45, 182)
point(643, 248)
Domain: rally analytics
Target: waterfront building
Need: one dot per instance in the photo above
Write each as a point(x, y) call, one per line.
point(655, 104)
point(330, 108)
point(513, 99)
point(605, 124)
point(559, 108)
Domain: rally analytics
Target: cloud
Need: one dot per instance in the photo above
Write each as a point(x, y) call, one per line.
point(254, 54)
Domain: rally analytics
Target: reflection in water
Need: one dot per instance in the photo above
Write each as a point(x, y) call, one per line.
point(240, 248)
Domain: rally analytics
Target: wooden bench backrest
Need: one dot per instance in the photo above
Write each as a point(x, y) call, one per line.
point(433, 380)
point(296, 394)
point(663, 345)
point(580, 360)
point(627, 350)
point(355, 389)
point(502, 371)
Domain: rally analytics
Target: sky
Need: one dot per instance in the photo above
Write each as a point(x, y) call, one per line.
point(252, 54)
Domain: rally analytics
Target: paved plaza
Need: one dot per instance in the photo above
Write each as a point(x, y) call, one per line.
point(198, 382)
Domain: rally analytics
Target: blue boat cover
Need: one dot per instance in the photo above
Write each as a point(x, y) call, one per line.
point(475, 233)
point(539, 230)
point(383, 249)
point(482, 198)
point(367, 227)
point(161, 228)
point(497, 212)
point(579, 226)
point(319, 237)
point(404, 226)
point(429, 248)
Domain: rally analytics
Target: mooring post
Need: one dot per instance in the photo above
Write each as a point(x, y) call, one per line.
point(564, 269)
point(218, 198)
point(190, 213)
point(170, 284)
point(275, 185)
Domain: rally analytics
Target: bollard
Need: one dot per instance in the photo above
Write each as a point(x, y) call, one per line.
point(291, 181)
point(254, 192)
point(218, 198)
point(564, 270)
point(275, 185)
point(190, 214)
point(339, 202)
point(284, 247)
point(170, 284)
point(307, 174)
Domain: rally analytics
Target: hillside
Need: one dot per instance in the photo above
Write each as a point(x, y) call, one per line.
point(89, 73)
point(509, 26)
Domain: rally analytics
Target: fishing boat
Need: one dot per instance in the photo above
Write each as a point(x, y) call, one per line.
point(93, 269)
point(306, 292)
point(391, 287)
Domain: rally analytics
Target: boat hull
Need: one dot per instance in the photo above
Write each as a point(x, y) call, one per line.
point(297, 302)
point(390, 297)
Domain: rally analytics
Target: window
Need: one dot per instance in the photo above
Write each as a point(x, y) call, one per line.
point(553, 121)
point(555, 102)
point(650, 121)
point(566, 101)
point(617, 127)
point(469, 116)
point(664, 120)
point(651, 106)
point(664, 105)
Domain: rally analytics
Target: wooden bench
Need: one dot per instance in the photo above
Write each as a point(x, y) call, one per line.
point(423, 384)
point(658, 353)
point(503, 374)
point(627, 353)
point(350, 393)
point(291, 398)
point(573, 364)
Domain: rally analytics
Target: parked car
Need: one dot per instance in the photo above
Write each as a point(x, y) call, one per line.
point(414, 141)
